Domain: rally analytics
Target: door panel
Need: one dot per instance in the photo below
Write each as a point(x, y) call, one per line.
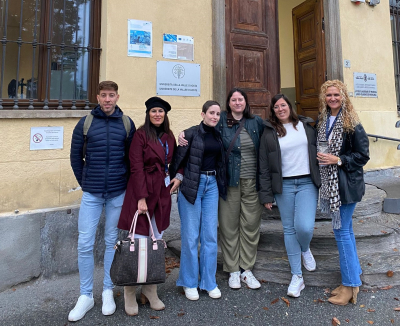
point(252, 52)
point(309, 53)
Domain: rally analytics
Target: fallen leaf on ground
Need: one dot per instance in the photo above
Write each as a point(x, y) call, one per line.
point(286, 301)
point(370, 322)
point(265, 308)
point(362, 305)
point(263, 281)
point(118, 294)
point(14, 290)
point(371, 310)
point(389, 273)
point(392, 321)
point(386, 287)
point(275, 301)
point(369, 264)
point(335, 321)
point(384, 232)
point(181, 314)
point(327, 290)
point(319, 300)
point(395, 249)
point(347, 320)
point(154, 317)
point(397, 299)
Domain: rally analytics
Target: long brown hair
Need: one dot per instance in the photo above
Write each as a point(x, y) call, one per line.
point(276, 123)
point(349, 114)
point(246, 113)
point(150, 130)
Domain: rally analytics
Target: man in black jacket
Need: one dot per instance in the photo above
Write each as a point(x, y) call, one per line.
point(101, 167)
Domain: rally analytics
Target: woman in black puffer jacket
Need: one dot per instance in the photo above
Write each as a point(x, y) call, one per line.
point(203, 180)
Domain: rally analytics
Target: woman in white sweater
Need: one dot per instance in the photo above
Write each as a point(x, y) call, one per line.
point(289, 173)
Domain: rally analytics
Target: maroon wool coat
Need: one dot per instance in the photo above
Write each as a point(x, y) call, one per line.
point(147, 159)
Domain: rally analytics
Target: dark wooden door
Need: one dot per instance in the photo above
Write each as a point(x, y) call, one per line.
point(252, 50)
point(309, 55)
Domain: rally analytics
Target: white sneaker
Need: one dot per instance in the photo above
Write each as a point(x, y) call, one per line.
point(108, 303)
point(295, 286)
point(248, 278)
point(191, 293)
point(308, 260)
point(234, 280)
point(83, 305)
point(215, 294)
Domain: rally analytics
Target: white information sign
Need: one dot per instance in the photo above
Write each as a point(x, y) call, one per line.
point(178, 79)
point(46, 138)
point(178, 47)
point(140, 38)
point(365, 85)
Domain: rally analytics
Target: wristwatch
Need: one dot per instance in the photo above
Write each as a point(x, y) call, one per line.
point(339, 162)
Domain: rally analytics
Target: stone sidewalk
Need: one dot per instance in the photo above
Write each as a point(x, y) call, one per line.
point(48, 302)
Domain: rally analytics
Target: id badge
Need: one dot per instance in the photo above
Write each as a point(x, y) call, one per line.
point(167, 180)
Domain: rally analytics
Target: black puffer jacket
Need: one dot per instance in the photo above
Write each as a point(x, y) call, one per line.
point(270, 161)
point(354, 154)
point(105, 168)
point(191, 158)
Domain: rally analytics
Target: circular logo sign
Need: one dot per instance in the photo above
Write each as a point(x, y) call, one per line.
point(178, 71)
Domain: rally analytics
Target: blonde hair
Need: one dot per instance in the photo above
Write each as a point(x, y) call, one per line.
point(349, 115)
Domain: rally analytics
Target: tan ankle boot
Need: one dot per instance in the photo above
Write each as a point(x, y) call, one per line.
point(149, 293)
point(346, 295)
point(337, 290)
point(131, 306)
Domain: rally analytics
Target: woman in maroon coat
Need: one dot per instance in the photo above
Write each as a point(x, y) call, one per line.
point(149, 188)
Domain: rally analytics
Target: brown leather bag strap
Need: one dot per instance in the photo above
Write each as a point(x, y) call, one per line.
point(234, 138)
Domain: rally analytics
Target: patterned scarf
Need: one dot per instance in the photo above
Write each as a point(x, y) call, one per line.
point(329, 200)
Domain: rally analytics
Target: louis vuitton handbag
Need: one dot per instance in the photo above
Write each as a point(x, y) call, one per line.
point(138, 261)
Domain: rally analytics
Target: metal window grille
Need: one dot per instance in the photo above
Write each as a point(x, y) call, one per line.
point(49, 53)
point(395, 22)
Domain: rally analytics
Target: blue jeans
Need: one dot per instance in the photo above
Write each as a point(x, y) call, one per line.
point(199, 221)
point(297, 206)
point(349, 264)
point(89, 216)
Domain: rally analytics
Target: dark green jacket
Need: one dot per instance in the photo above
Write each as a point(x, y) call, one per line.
point(254, 127)
point(270, 162)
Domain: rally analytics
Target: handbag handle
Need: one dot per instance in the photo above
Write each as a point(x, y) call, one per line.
point(133, 227)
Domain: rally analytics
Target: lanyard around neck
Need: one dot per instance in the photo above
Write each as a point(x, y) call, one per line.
point(328, 130)
point(166, 149)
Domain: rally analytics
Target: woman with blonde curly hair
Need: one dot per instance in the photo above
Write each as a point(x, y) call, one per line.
point(342, 176)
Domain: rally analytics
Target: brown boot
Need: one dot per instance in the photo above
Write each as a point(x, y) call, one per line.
point(149, 293)
point(131, 306)
point(346, 295)
point(337, 290)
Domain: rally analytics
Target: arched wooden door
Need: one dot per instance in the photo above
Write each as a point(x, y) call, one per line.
point(252, 50)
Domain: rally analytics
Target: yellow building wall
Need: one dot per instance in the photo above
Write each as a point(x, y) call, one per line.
point(44, 179)
point(367, 43)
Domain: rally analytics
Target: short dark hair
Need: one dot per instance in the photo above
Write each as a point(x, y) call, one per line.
point(107, 85)
point(207, 105)
point(247, 112)
point(276, 123)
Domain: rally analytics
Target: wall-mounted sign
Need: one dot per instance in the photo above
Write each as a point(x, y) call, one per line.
point(46, 138)
point(178, 79)
point(140, 38)
point(179, 47)
point(365, 85)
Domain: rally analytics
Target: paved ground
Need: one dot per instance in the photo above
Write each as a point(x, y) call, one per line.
point(48, 302)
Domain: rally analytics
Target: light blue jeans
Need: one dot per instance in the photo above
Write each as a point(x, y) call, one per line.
point(199, 222)
point(297, 206)
point(89, 216)
point(349, 264)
